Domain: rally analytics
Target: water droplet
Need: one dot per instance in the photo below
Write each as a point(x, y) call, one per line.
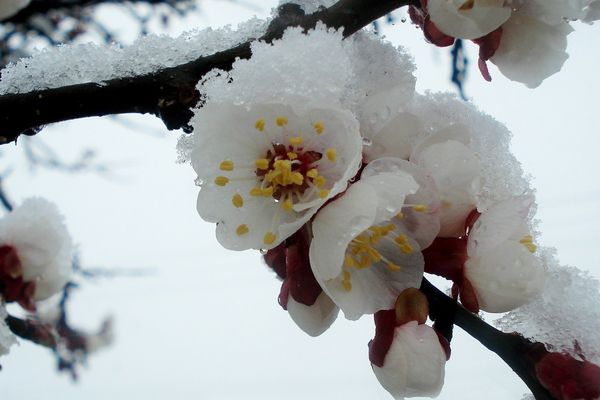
point(367, 142)
point(403, 20)
point(198, 182)
point(263, 251)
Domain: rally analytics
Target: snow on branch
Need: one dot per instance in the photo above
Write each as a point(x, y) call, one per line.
point(168, 93)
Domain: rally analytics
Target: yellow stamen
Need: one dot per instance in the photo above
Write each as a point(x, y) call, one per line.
point(406, 248)
point(269, 238)
point(393, 267)
point(297, 178)
point(242, 229)
point(346, 281)
point(324, 193)
point(226, 165)
point(331, 154)
point(401, 239)
point(312, 173)
point(260, 125)
point(262, 163)
point(399, 215)
point(319, 181)
point(319, 127)
point(281, 121)
point(296, 141)
point(221, 180)
point(237, 200)
point(291, 155)
point(288, 205)
point(420, 207)
point(527, 241)
point(257, 192)
point(348, 261)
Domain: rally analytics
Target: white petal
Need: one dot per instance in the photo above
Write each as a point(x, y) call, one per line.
point(395, 138)
point(8, 8)
point(423, 226)
point(469, 22)
point(415, 363)
point(499, 223)
point(456, 171)
point(505, 277)
point(531, 50)
point(315, 319)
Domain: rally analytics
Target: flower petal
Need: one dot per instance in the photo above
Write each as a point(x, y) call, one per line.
point(315, 319)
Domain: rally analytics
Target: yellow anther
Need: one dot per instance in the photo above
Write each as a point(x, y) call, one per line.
point(262, 163)
point(319, 181)
point(296, 141)
point(260, 125)
point(348, 261)
point(237, 200)
point(319, 127)
point(331, 154)
point(401, 239)
point(242, 229)
point(312, 173)
point(226, 165)
point(267, 192)
point(221, 180)
point(257, 192)
point(288, 205)
point(291, 155)
point(420, 207)
point(393, 267)
point(297, 178)
point(269, 238)
point(527, 241)
point(346, 281)
point(281, 121)
point(399, 215)
point(406, 248)
point(324, 193)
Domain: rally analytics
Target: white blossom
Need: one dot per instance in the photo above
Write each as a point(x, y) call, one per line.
point(8, 8)
point(43, 246)
point(7, 338)
point(314, 319)
point(502, 266)
point(414, 364)
point(468, 19)
point(361, 259)
point(531, 50)
point(268, 168)
point(456, 170)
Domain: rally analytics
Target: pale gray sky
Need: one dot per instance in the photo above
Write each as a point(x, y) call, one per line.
point(207, 324)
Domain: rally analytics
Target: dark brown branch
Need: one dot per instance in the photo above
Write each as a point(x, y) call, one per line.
point(169, 93)
point(513, 348)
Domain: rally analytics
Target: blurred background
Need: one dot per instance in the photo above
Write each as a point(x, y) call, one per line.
point(193, 320)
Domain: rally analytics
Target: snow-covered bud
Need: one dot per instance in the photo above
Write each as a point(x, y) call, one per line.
point(8, 8)
point(35, 253)
point(468, 19)
point(502, 267)
point(267, 169)
point(7, 339)
point(359, 256)
point(408, 360)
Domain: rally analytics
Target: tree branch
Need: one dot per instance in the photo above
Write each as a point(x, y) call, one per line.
point(514, 349)
point(168, 93)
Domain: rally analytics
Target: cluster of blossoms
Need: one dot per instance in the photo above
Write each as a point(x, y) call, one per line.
point(525, 39)
point(35, 258)
point(319, 152)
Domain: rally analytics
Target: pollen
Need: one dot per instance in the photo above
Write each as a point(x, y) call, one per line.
point(393, 267)
point(288, 205)
point(262, 163)
point(226, 165)
point(269, 238)
point(281, 121)
point(527, 241)
point(296, 141)
point(331, 154)
point(312, 173)
point(406, 248)
point(297, 178)
point(420, 207)
point(324, 193)
point(242, 230)
point(258, 192)
point(291, 155)
point(237, 200)
point(319, 127)
point(260, 125)
point(221, 180)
